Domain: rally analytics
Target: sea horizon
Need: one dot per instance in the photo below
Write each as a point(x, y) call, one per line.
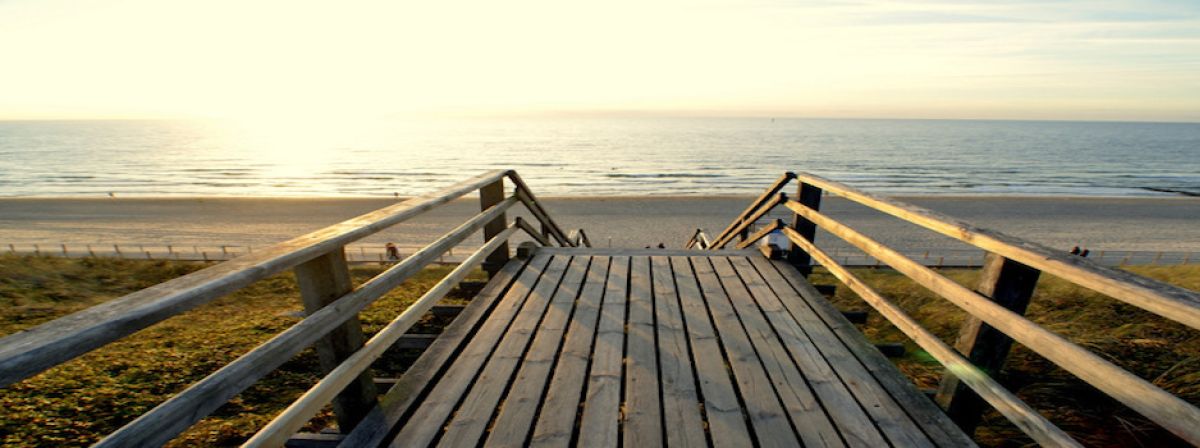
point(597, 156)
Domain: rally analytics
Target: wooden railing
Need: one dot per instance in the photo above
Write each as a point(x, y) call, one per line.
point(330, 300)
point(996, 306)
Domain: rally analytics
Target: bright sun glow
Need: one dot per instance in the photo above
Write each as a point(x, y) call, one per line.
point(276, 60)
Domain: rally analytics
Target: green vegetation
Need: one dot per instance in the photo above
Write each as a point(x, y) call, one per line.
point(1154, 348)
point(80, 401)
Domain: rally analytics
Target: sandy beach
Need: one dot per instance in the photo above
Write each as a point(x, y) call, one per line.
point(1144, 224)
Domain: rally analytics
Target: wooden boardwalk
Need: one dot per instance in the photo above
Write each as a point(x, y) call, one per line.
point(595, 347)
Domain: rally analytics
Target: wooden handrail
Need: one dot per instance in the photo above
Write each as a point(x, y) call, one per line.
point(761, 233)
point(1169, 301)
point(532, 232)
point(762, 200)
point(1018, 412)
point(699, 239)
point(297, 414)
point(28, 352)
point(1169, 411)
point(535, 207)
point(776, 200)
point(175, 415)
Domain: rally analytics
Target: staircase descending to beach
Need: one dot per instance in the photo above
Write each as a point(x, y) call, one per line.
point(572, 345)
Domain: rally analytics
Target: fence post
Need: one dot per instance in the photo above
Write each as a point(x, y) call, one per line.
point(492, 194)
point(323, 280)
point(809, 196)
point(1008, 284)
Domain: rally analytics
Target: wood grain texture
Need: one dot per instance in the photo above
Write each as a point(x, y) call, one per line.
point(1172, 302)
point(1173, 413)
point(511, 284)
point(682, 422)
point(642, 410)
point(26, 353)
point(1019, 413)
point(599, 425)
point(556, 421)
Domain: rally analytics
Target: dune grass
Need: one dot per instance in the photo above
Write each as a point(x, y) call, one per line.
point(78, 402)
point(1161, 351)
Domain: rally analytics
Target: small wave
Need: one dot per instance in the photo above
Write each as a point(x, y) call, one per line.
point(664, 176)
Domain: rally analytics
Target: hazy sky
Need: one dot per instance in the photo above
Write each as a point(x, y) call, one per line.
point(1086, 59)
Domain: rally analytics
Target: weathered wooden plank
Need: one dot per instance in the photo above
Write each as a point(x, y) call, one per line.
point(851, 421)
point(917, 405)
point(891, 419)
point(639, 252)
point(28, 352)
point(556, 421)
point(1172, 302)
point(744, 226)
point(762, 199)
point(480, 404)
point(1032, 423)
point(726, 424)
point(641, 420)
point(427, 421)
point(309, 404)
point(1172, 412)
point(805, 412)
point(681, 406)
point(174, 415)
point(599, 425)
point(516, 416)
point(536, 208)
point(1009, 284)
point(401, 397)
point(321, 281)
point(767, 417)
point(490, 195)
point(809, 195)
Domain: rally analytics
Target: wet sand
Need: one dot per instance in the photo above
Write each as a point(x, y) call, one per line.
point(1148, 224)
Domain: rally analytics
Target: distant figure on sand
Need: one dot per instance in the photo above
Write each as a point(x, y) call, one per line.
point(393, 254)
point(1075, 250)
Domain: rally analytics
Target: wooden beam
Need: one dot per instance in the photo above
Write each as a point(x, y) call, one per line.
point(759, 202)
point(490, 195)
point(810, 196)
point(29, 352)
point(322, 281)
point(175, 415)
point(1172, 302)
point(1173, 413)
point(745, 224)
point(300, 411)
point(1010, 285)
point(1017, 411)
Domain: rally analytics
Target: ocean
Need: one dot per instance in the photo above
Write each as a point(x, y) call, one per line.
point(595, 156)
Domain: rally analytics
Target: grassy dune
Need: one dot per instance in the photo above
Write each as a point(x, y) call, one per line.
point(80, 401)
point(1154, 348)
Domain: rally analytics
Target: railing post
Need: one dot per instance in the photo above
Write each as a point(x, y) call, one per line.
point(323, 280)
point(810, 196)
point(1008, 284)
point(489, 195)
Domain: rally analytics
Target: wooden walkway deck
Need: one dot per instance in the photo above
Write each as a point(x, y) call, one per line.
point(596, 347)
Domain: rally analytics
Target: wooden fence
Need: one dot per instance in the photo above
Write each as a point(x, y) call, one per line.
point(319, 261)
point(996, 306)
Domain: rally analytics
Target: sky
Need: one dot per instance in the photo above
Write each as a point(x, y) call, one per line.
point(254, 60)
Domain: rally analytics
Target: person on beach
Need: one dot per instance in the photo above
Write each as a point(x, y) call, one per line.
point(393, 254)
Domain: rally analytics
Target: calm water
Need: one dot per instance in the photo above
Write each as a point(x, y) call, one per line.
point(595, 156)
